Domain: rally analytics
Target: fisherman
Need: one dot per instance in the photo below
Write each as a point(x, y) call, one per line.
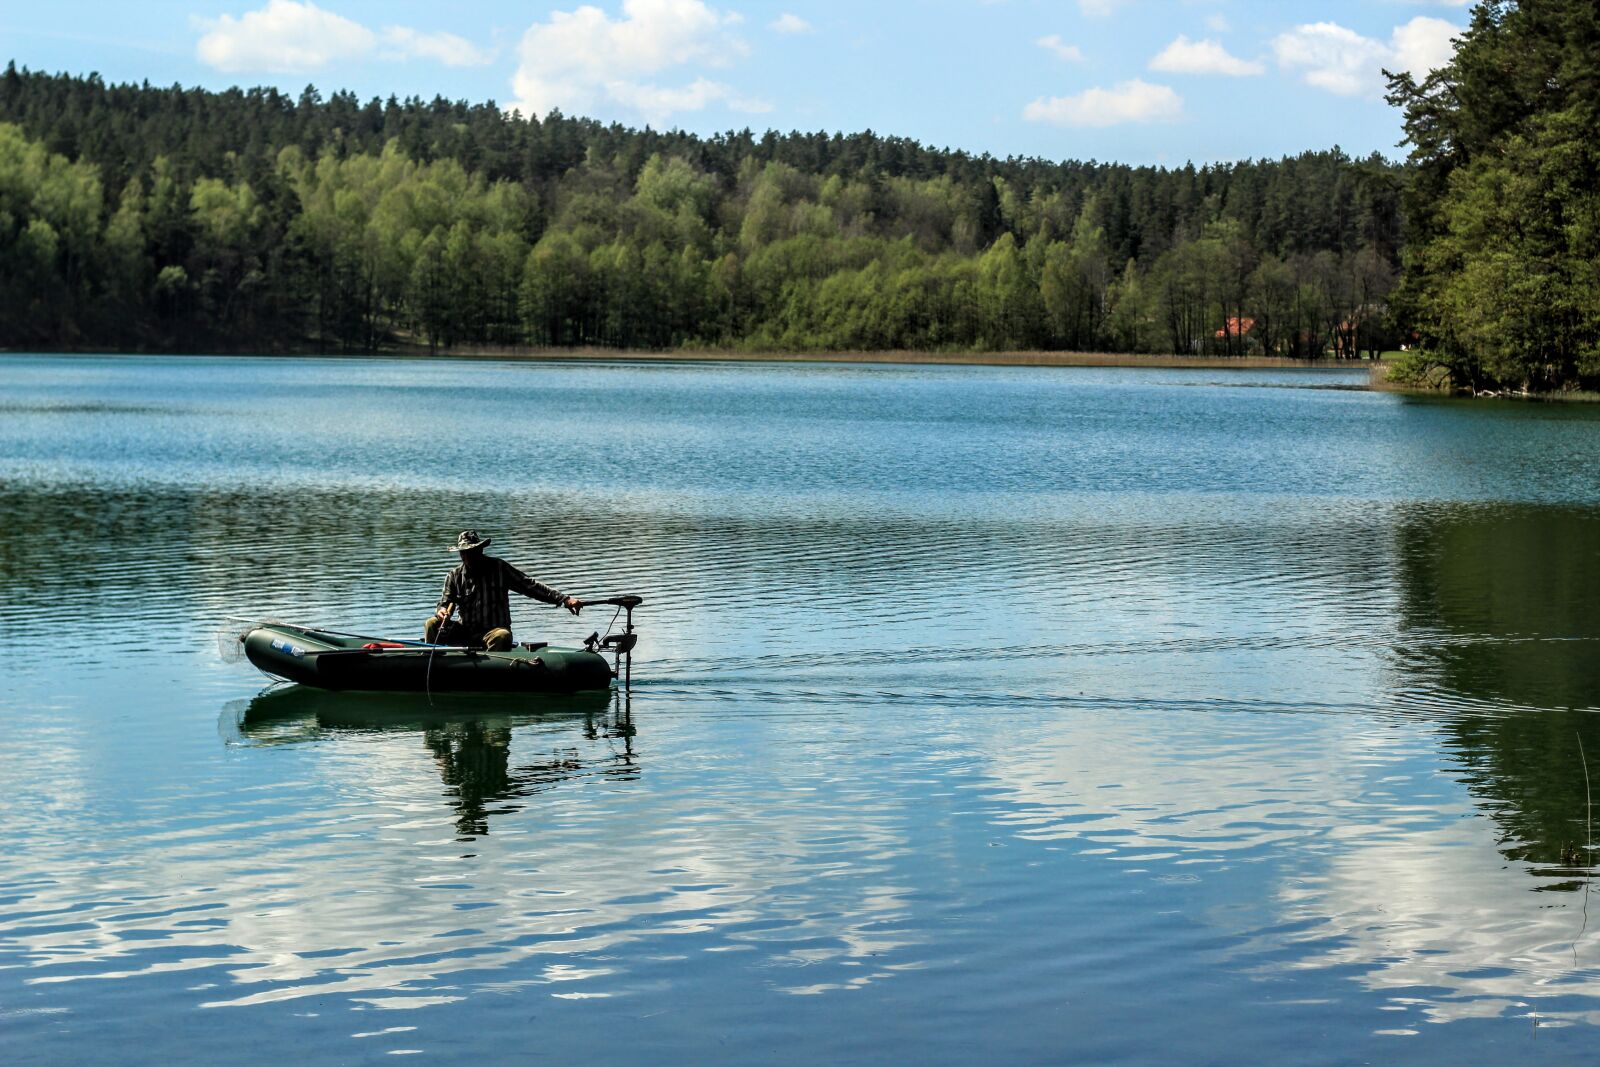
point(475, 593)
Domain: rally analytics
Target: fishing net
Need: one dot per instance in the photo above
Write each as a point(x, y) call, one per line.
point(231, 635)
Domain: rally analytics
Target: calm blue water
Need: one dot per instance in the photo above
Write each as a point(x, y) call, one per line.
point(1022, 715)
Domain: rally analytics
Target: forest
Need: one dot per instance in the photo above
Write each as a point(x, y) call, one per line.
point(1501, 276)
point(143, 218)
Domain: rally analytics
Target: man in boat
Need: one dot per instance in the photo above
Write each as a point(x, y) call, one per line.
point(475, 608)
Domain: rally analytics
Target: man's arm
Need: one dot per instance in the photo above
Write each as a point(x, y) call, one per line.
point(537, 590)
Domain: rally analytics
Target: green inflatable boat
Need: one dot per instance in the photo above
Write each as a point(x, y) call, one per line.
point(349, 662)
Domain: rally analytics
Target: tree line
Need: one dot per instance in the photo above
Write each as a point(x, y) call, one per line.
point(1502, 259)
point(147, 218)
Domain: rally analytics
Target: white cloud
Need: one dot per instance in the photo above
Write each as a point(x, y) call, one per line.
point(788, 23)
point(447, 48)
point(1062, 50)
point(1331, 57)
point(1423, 45)
point(283, 37)
point(1217, 23)
point(1342, 61)
point(290, 36)
point(1099, 9)
point(583, 60)
point(1184, 56)
point(1131, 101)
point(696, 96)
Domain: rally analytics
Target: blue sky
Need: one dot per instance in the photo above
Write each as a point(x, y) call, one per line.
point(1139, 81)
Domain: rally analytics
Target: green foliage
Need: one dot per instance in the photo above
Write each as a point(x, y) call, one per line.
point(251, 220)
point(1503, 267)
point(1422, 370)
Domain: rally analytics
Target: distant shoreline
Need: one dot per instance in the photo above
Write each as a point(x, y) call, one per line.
point(1378, 381)
point(953, 359)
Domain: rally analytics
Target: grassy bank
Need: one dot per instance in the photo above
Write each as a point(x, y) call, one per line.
point(717, 355)
point(1440, 385)
point(978, 359)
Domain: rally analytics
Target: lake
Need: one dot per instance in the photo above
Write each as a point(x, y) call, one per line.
point(1001, 714)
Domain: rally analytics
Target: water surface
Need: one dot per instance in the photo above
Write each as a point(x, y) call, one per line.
point(1031, 715)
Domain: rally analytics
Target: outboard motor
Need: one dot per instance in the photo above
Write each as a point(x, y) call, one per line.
point(620, 645)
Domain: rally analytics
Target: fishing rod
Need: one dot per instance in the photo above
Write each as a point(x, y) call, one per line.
point(427, 680)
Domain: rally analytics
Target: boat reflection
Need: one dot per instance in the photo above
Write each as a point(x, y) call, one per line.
point(468, 735)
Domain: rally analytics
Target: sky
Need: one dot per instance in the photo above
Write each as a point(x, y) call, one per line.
point(1135, 81)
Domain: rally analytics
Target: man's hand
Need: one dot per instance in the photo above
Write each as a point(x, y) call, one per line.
point(446, 611)
point(572, 604)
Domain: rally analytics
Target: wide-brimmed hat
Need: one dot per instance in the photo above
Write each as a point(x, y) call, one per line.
point(468, 541)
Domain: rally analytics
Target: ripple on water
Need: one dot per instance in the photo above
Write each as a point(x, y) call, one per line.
point(1093, 713)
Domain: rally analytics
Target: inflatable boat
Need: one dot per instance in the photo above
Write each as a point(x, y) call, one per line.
point(327, 659)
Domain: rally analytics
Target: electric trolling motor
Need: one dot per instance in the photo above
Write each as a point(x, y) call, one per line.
point(620, 645)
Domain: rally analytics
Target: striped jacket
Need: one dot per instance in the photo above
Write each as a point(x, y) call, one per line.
point(480, 593)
